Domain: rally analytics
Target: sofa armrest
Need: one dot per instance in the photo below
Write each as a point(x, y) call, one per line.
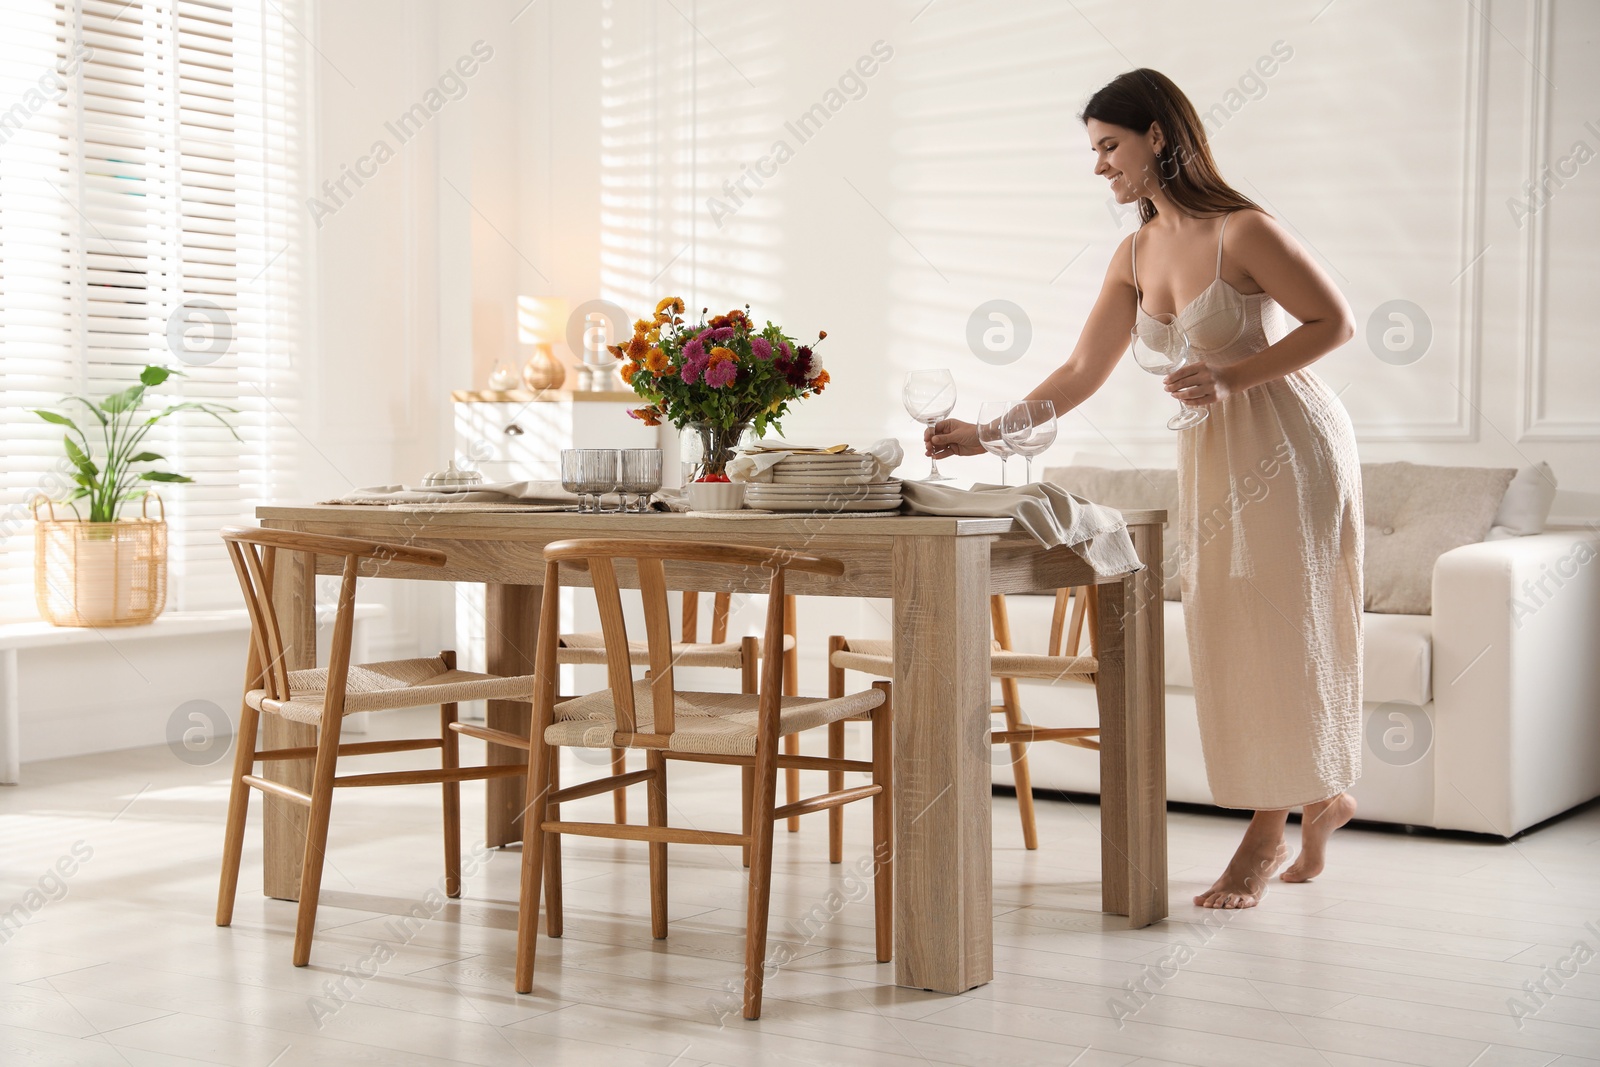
point(1516, 680)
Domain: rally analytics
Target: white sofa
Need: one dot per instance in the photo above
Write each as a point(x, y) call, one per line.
point(1482, 716)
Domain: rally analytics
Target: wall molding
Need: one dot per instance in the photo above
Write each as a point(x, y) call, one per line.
point(1534, 425)
point(1464, 428)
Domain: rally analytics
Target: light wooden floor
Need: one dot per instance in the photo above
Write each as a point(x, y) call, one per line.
point(1407, 952)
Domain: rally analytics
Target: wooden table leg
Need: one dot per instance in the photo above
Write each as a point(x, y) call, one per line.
point(511, 627)
point(944, 927)
point(294, 598)
point(1131, 685)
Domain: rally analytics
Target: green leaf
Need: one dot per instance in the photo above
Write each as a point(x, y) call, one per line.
point(154, 376)
point(126, 400)
point(79, 459)
point(59, 420)
point(93, 410)
point(144, 457)
point(195, 405)
point(165, 476)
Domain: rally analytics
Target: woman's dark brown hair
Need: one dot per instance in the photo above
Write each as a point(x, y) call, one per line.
point(1189, 175)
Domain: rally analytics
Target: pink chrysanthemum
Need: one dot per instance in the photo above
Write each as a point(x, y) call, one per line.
point(761, 348)
point(721, 374)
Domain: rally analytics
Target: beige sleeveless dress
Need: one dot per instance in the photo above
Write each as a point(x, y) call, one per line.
point(1270, 532)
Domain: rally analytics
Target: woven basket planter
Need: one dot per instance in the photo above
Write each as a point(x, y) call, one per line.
point(100, 573)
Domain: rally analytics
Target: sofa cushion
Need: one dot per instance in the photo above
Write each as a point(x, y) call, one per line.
point(1397, 658)
point(1396, 662)
point(1127, 490)
point(1414, 515)
point(1526, 505)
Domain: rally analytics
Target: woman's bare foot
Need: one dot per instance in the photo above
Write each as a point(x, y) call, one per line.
point(1317, 824)
point(1260, 854)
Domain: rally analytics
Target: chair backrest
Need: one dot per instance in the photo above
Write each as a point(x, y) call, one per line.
point(599, 557)
point(720, 606)
point(1068, 629)
point(254, 553)
point(1073, 620)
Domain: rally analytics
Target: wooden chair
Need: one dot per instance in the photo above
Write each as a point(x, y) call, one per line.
point(736, 729)
point(322, 697)
point(689, 651)
point(1075, 614)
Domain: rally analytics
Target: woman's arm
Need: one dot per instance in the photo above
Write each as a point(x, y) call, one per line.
point(1275, 261)
point(1100, 345)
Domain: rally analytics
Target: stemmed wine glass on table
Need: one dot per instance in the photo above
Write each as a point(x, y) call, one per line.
point(990, 414)
point(1162, 350)
point(1029, 427)
point(930, 395)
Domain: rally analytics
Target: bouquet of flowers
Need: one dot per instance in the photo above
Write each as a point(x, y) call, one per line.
point(721, 375)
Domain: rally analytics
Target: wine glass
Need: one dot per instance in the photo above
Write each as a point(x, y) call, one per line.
point(929, 396)
point(640, 475)
point(1029, 427)
point(572, 475)
point(990, 414)
point(1162, 348)
point(600, 475)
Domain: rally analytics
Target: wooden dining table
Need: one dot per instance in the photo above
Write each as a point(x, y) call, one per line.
point(939, 573)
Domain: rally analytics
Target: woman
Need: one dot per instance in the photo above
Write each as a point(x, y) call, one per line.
point(1269, 516)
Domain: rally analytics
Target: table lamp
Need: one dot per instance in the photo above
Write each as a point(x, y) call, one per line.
point(540, 321)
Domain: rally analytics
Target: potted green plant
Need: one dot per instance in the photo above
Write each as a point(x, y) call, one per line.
point(106, 570)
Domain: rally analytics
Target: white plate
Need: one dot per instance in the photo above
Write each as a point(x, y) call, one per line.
point(824, 499)
point(820, 479)
point(842, 487)
point(833, 514)
point(807, 491)
point(885, 507)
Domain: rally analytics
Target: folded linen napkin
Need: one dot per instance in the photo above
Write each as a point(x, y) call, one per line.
point(483, 492)
point(757, 466)
point(1052, 515)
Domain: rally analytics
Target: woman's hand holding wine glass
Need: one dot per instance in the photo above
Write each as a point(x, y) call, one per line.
point(1163, 348)
point(990, 435)
point(930, 395)
point(1029, 427)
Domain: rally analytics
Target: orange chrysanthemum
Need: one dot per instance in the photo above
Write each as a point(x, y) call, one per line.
point(656, 361)
point(617, 351)
point(628, 371)
point(649, 416)
point(819, 382)
point(672, 305)
point(641, 327)
point(723, 355)
point(637, 347)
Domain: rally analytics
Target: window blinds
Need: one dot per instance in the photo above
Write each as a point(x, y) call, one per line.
point(150, 157)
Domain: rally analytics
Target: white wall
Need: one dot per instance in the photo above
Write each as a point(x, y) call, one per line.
point(1393, 141)
point(1390, 141)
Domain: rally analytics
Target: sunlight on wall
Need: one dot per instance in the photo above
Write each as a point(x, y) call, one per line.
point(679, 116)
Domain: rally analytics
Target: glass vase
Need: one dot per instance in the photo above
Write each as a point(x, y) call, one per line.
point(705, 448)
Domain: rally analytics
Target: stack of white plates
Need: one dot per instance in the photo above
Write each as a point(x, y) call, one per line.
point(843, 481)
